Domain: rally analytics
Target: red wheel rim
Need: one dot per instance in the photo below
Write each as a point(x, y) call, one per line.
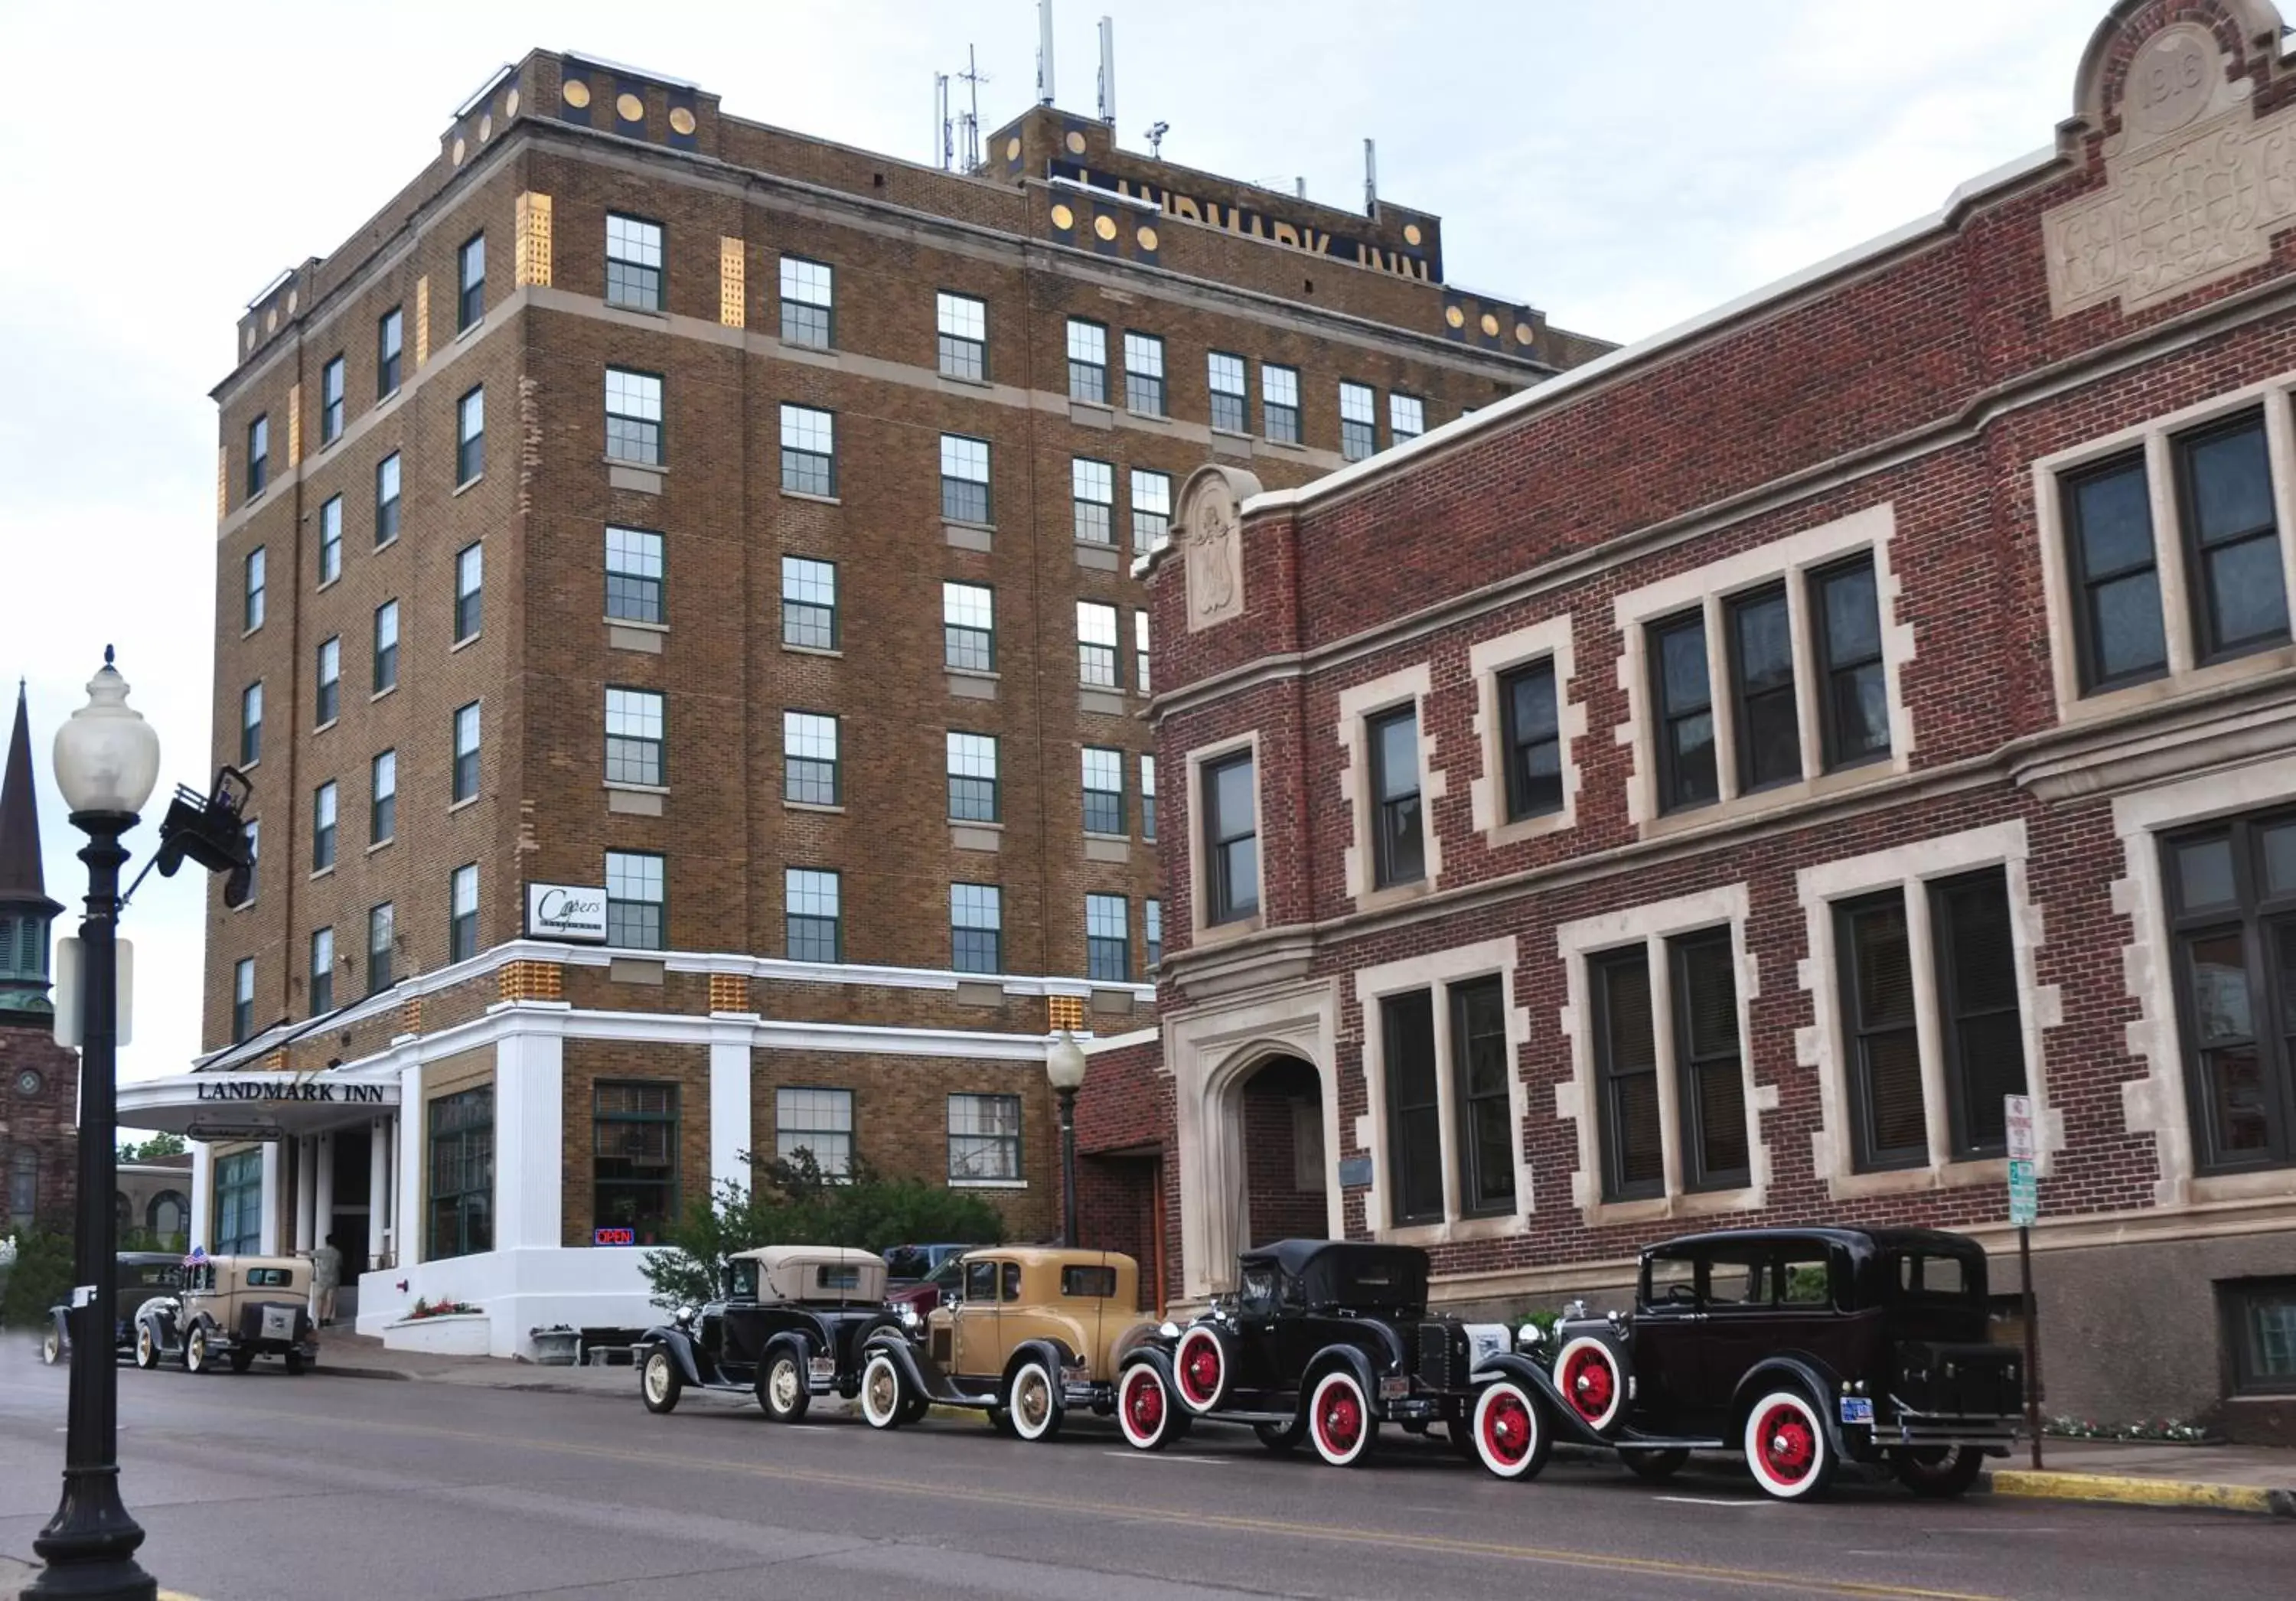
point(1199, 1367)
point(1788, 1444)
point(1144, 1403)
point(1506, 1428)
point(1588, 1382)
point(1339, 1420)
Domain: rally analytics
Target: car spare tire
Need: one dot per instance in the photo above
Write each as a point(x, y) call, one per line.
point(1592, 1380)
point(1200, 1365)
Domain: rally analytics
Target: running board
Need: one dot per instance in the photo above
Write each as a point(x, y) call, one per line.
point(1652, 1442)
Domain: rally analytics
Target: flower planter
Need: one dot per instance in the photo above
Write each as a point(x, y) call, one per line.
point(554, 1347)
point(450, 1335)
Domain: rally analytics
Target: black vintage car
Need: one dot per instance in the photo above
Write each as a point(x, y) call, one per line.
point(1799, 1347)
point(1324, 1340)
point(792, 1326)
point(143, 1275)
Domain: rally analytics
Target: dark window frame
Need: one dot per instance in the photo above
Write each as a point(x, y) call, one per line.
point(995, 780)
point(795, 320)
point(322, 974)
point(382, 919)
point(465, 763)
point(387, 508)
point(332, 378)
point(1388, 805)
point(632, 594)
point(1102, 966)
point(2200, 595)
point(959, 932)
point(470, 288)
point(1960, 1102)
point(1482, 1195)
point(960, 346)
point(470, 604)
point(1610, 1075)
point(1690, 1106)
point(1744, 696)
point(808, 608)
point(1672, 794)
point(660, 908)
point(459, 1137)
point(2241, 1375)
point(470, 444)
point(1094, 373)
point(1858, 1030)
point(462, 927)
point(1832, 738)
point(650, 282)
point(383, 658)
point(1221, 893)
point(1414, 1105)
point(654, 449)
point(2085, 585)
point(791, 919)
point(258, 455)
point(1519, 807)
point(639, 1118)
point(389, 350)
point(1153, 387)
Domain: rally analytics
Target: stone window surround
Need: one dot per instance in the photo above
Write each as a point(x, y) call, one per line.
point(1710, 586)
point(2155, 437)
point(1202, 932)
point(1579, 1099)
point(1487, 663)
point(1357, 706)
point(1437, 972)
point(1822, 1047)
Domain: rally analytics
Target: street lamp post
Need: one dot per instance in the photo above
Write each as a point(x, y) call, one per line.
point(1064, 1066)
point(107, 758)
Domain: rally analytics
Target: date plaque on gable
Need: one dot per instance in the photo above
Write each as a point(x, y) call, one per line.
point(1208, 530)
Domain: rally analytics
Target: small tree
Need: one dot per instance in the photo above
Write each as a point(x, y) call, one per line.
point(158, 1145)
point(41, 1277)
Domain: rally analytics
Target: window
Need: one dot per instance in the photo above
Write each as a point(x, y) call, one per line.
point(972, 787)
point(817, 1122)
point(810, 774)
point(463, 913)
point(1108, 939)
point(1279, 402)
point(1358, 421)
point(471, 436)
point(1103, 791)
point(258, 455)
point(461, 1174)
point(1399, 843)
point(976, 923)
point(635, 733)
point(1414, 1129)
point(1407, 417)
point(1976, 1006)
point(250, 724)
point(466, 751)
point(2238, 592)
point(1147, 797)
point(470, 578)
point(1231, 400)
point(808, 603)
point(2108, 535)
point(632, 263)
point(1143, 373)
point(1534, 742)
point(253, 836)
point(963, 325)
point(379, 939)
point(331, 680)
point(963, 479)
point(386, 500)
point(470, 304)
point(2232, 897)
point(634, 575)
point(1627, 1071)
point(634, 417)
point(243, 998)
point(1231, 840)
point(1140, 651)
point(636, 916)
point(809, 451)
point(1151, 510)
point(1092, 490)
point(251, 611)
point(389, 341)
point(330, 541)
point(383, 810)
point(330, 401)
point(1685, 741)
point(1484, 1071)
point(813, 924)
point(323, 971)
point(968, 619)
point(1880, 1035)
point(238, 1202)
point(1762, 689)
point(1152, 925)
point(1087, 362)
point(2259, 1318)
point(984, 1140)
point(808, 303)
point(386, 646)
point(1711, 1085)
point(1096, 646)
point(634, 1158)
point(323, 827)
point(1854, 705)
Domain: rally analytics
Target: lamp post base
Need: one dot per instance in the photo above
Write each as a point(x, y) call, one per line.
point(89, 1546)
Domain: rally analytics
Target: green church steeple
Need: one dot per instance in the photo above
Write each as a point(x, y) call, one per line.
point(25, 909)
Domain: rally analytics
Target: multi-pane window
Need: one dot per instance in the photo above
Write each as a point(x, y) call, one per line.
point(1231, 840)
point(1483, 1069)
point(323, 827)
point(383, 806)
point(386, 646)
point(1231, 398)
point(1108, 939)
point(250, 724)
point(635, 915)
point(243, 998)
point(323, 971)
point(463, 913)
point(1686, 773)
point(1407, 417)
point(2232, 899)
point(470, 579)
point(972, 781)
point(1096, 646)
point(963, 479)
point(976, 928)
point(331, 540)
point(810, 769)
point(1881, 1034)
point(1854, 715)
point(462, 1190)
point(258, 455)
point(634, 1158)
point(812, 915)
point(251, 606)
point(634, 416)
point(1762, 689)
point(1279, 402)
point(239, 1203)
point(634, 575)
point(1151, 510)
point(1627, 1052)
point(1710, 1082)
point(2116, 575)
point(632, 263)
point(1358, 421)
point(1978, 1007)
point(817, 1122)
point(810, 604)
point(2259, 1318)
point(1087, 361)
point(470, 274)
point(962, 323)
point(809, 451)
point(330, 401)
point(330, 679)
point(984, 1140)
point(1103, 791)
point(1398, 842)
point(1092, 491)
point(968, 627)
point(1143, 373)
point(466, 751)
point(2238, 592)
point(1140, 651)
point(389, 343)
point(1152, 927)
point(808, 303)
point(1534, 741)
point(471, 436)
point(1147, 797)
point(1414, 1114)
point(635, 736)
point(252, 838)
point(386, 500)
point(379, 940)
point(1707, 1083)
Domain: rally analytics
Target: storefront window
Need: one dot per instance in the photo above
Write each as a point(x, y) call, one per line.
point(634, 1158)
point(461, 1174)
point(239, 1203)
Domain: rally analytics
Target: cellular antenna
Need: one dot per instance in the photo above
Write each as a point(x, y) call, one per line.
point(1371, 178)
point(1107, 71)
point(968, 123)
point(944, 138)
point(1043, 52)
point(1156, 132)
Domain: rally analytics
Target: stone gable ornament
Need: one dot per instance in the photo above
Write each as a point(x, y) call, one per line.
point(1210, 533)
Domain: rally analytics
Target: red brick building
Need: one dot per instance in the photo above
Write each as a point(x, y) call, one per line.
point(1694, 792)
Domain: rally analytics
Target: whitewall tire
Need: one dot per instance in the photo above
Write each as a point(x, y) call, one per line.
point(659, 1382)
point(1200, 1369)
point(1587, 1372)
point(1510, 1431)
point(1786, 1447)
point(784, 1389)
point(51, 1349)
point(147, 1350)
point(1033, 1401)
point(1340, 1422)
point(197, 1357)
point(1144, 1408)
point(882, 1401)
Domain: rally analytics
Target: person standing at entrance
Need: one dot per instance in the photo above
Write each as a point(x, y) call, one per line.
point(326, 1274)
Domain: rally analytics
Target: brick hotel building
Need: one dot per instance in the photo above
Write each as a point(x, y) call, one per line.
point(675, 609)
point(1693, 792)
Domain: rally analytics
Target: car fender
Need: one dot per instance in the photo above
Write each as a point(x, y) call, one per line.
point(1804, 1374)
point(1522, 1370)
point(1159, 1356)
point(1055, 1354)
point(680, 1346)
point(904, 1355)
point(1340, 1354)
point(799, 1342)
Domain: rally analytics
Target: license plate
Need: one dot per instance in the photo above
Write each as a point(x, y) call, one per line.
point(825, 1367)
point(1394, 1389)
point(278, 1323)
point(1857, 1408)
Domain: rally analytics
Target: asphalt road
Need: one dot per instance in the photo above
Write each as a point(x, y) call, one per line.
point(262, 1486)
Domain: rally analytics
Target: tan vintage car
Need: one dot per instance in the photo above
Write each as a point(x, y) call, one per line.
point(231, 1308)
point(1031, 1333)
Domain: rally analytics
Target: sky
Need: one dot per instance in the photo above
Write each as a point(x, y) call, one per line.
point(1620, 168)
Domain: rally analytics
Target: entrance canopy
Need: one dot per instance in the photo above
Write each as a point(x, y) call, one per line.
point(255, 1105)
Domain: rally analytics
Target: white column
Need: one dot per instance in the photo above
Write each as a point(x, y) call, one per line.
point(378, 1188)
point(202, 1194)
point(730, 1103)
point(530, 1140)
point(406, 1205)
point(323, 1189)
point(274, 1155)
point(306, 1159)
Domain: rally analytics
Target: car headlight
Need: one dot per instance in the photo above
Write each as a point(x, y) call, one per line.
point(1528, 1337)
point(684, 1314)
point(1168, 1330)
point(909, 1319)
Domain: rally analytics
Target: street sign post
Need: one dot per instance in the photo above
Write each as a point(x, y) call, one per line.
point(2024, 1207)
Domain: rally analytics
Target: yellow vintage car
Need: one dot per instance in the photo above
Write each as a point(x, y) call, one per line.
point(231, 1308)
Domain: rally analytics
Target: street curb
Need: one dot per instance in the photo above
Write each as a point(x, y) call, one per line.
point(2119, 1490)
point(332, 1371)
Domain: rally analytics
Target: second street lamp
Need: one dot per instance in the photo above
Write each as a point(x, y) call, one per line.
point(1064, 1066)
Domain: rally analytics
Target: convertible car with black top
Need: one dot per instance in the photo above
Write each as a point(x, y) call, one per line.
point(792, 1325)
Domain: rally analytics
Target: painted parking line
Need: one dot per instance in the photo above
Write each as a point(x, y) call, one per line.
point(1163, 1456)
point(1715, 1501)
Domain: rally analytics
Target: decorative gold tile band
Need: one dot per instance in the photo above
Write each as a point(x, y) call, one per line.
point(410, 1016)
point(531, 980)
point(294, 424)
point(223, 480)
point(729, 992)
point(422, 320)
point(1063, 1012)
point(532, 240)
point(733, 282)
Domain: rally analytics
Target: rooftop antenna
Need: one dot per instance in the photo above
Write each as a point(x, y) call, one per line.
point(1299, 187)
point(969, 122)
point(944, 140)
point(1107, 71)
point(1156, 132)
point(1371, 178)
point(1043, 52)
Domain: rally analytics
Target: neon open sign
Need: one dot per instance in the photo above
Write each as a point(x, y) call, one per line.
point(613, 1236)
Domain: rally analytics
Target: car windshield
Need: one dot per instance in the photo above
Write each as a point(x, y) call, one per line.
point(1258, 1290)
point(948, 1275)
point(741, 1281)
point(907, 1262)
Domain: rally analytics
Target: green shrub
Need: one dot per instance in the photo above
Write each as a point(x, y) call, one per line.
point(41, 1278)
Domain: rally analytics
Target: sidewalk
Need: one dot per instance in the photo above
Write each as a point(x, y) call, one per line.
point(2226, 1478)
point(346, 1355)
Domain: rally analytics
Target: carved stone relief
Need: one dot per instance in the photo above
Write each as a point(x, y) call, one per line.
point(1208, 530)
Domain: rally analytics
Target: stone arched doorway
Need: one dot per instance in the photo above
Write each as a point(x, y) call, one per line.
point(1286, 1177)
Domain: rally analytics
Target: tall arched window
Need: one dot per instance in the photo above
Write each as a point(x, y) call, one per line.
point(168, 1215)
point(23, 1186)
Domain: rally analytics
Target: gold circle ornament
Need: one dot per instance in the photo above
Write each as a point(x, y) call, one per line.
point(1147, 237)
point(486, 127)
point(1063, 218)
point(457, 153)
point(510, 106)
point(271, 320)
point(681, 122)
point(629, 108)
point(575, 93)
point(1012, 148)
point(1454, 316)
point(1490, 325)
point(1106, 227)
point(1075, 142)
point(1522, 333)
point(1411, 234)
